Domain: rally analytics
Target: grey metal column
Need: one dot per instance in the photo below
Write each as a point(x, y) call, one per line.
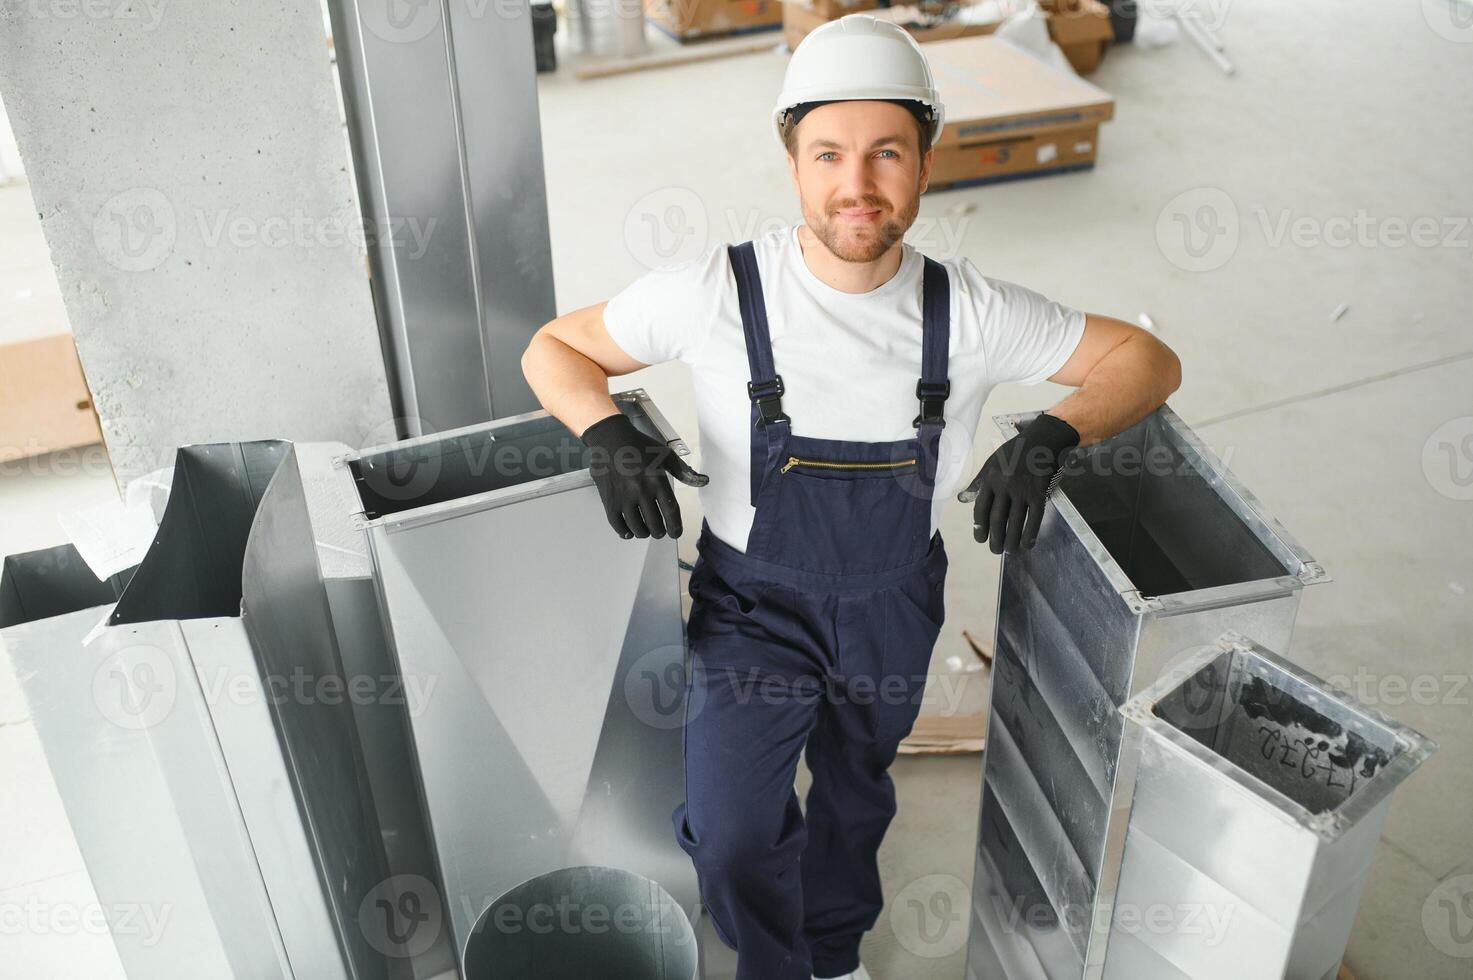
point(1150, 549)
point(441, 97)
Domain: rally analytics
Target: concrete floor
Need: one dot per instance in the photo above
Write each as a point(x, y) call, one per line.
point(1356, 432)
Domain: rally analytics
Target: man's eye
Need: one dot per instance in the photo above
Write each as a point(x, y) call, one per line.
point(891, 152)
point(821, 156)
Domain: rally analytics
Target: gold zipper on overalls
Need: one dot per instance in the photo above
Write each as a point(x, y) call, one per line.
point(831, 465)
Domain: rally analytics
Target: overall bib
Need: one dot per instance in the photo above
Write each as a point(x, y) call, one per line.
point(817, 637)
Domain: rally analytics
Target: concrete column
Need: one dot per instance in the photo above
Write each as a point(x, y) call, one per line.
point(190, 168)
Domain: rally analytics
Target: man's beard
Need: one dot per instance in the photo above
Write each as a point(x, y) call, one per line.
point(873, 241)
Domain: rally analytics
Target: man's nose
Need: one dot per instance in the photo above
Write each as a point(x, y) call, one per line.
point(858, 180)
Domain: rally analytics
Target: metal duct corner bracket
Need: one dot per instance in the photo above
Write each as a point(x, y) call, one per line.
point(1149, 548)
point(1259, 795)
point(546, 654)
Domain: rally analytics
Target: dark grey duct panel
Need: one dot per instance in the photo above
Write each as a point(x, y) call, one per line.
point(52, 582)
point(192, 569)
point(441, 100)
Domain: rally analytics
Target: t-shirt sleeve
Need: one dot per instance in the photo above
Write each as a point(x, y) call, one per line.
point(1026, 337)
point(666, 314)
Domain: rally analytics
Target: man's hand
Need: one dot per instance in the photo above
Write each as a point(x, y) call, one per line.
point(1010, 490)
point(629, 469)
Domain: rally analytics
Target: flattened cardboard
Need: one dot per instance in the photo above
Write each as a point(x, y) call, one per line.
point(44, 401)
point(992, 88)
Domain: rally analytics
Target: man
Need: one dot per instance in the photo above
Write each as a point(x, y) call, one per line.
point(817, 594)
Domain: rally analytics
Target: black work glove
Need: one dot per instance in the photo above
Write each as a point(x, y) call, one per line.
point(629, 469)
point(1010, 490)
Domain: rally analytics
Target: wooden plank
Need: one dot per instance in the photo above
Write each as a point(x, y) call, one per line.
point(682, 56)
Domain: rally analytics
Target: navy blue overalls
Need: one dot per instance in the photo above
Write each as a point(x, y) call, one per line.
point(819, 635)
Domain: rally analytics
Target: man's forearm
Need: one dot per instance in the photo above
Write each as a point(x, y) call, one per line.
point(1130, 382)
point(572, 387)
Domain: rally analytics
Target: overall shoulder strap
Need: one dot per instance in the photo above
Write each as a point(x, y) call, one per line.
point(934, 386)
point(766, 386)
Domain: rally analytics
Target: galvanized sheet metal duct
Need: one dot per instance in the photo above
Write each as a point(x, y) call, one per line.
point(551, 738)
point(1259, 795)
point(1150, 548)
point(313, 613)
point(157, 733)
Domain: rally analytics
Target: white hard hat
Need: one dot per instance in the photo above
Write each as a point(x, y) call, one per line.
point(859, 57)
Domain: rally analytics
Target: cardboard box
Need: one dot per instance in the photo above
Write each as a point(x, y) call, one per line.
point(44, 401)
point(1082, 29)
point(989, 159)
point(687, 20)
point(834, 9)
point(1009, 114)
point(800, 18)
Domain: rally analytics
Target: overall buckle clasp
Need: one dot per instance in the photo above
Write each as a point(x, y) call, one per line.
point(768, 398)
point(933, 399)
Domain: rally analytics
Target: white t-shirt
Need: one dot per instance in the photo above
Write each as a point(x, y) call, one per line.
point(849, 361)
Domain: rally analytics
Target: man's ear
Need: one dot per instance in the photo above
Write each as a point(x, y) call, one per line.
point(926, 168)
point(793, 171)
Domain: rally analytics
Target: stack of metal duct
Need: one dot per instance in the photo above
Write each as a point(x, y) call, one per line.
point(366, 714)
point(1150, 551)
point(155, 723)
